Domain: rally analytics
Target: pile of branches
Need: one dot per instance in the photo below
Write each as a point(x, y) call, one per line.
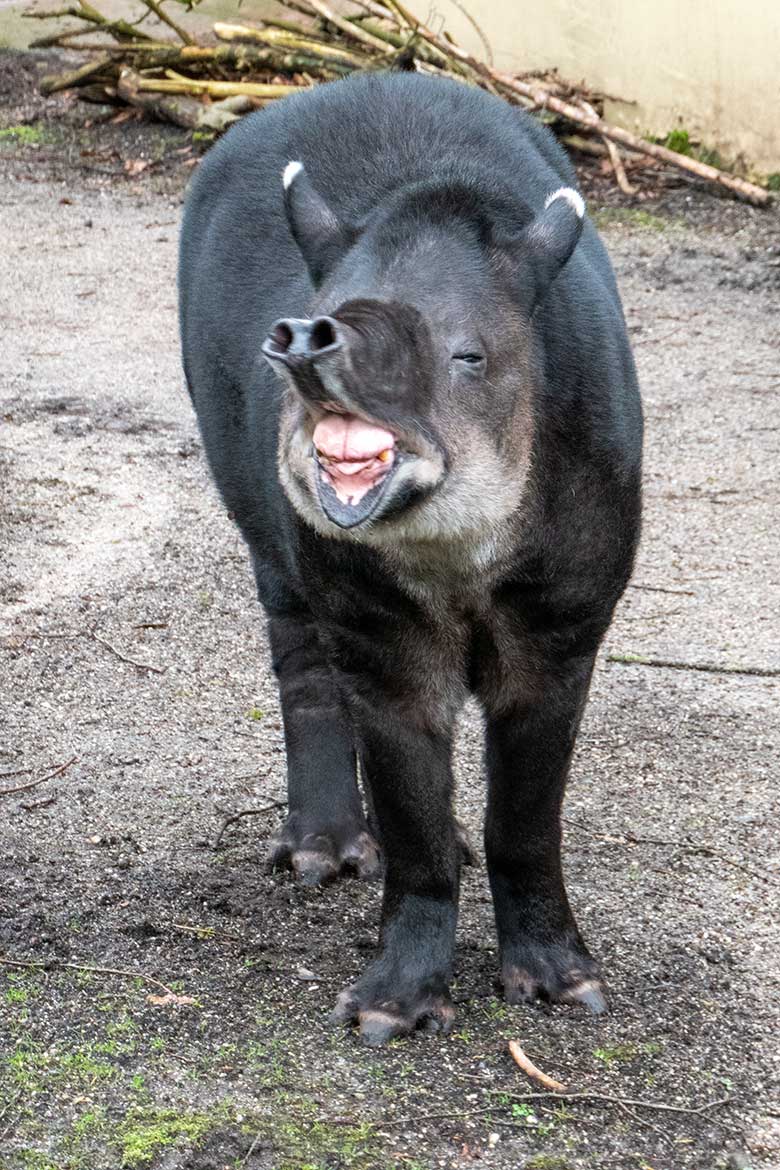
point(209, 85)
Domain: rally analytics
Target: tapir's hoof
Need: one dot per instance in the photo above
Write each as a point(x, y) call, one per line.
point(380, 1020)
point(558, 972)
point(318, 858)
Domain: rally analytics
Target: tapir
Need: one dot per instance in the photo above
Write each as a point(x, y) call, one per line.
point(405, 346)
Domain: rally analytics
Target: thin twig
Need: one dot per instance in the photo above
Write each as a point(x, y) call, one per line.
point(702, 850)
point(706, 667)
point(123, 657)
point(661, 589)
point(247, 812)
point(56, 964)
point(162, 15)
point(40, 780)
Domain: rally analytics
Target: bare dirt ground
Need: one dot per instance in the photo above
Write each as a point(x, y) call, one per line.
point(132, 649)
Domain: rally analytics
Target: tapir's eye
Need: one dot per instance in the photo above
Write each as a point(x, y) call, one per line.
point(470, 359)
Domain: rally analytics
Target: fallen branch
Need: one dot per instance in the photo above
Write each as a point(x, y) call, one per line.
point(34, 783)
point(57, 964)
point(180, 110)
point(530, 1069)
point(219, 89)
point(706, 667)
point(247, 812)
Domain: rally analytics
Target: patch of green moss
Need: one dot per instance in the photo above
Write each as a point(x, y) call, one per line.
point(305, 1141)
point(24, 135)
point(773, 181)
point(144, 1133)
point(35, 1160)
point(633, 217)
point(547, 1162)
point(622, 1053)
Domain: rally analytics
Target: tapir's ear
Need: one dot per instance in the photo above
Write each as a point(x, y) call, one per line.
point(316, 230)
point(552, 236)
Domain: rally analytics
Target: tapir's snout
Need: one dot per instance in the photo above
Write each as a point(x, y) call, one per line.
point(297, 340)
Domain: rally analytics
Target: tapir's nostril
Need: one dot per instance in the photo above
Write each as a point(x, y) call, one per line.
point(281, 336)
point(323, 334)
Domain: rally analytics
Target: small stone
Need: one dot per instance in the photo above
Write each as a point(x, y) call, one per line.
point(305, 974)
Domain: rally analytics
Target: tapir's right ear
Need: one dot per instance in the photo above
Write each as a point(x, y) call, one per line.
point(316, 230)
point(551, 237)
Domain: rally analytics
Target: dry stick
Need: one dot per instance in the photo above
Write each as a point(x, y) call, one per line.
point(614, 155)
point(350, 30)
point(175, 83)
point(703, 850)
point(123, 657)
point(34, 783)
point(377, 10)
point(247, 812)
point(606, 1098)
point(706, 667)
point(662, 589)
point(281, 40)
point(530, 1069)
point(478, 30)
point(75, 77)
point(160, 13)
point(56, 964)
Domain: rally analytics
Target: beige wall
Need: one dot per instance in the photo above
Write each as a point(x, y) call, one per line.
point(711, 66)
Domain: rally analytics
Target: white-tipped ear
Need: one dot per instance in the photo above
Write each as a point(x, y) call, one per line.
point(572, 197)
point(290, 171)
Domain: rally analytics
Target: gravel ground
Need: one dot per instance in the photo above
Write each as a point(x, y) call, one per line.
point(132, 650)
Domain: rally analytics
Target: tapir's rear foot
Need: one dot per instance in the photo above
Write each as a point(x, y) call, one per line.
point(383, 1010)
point(561, 972)
point(318, 856)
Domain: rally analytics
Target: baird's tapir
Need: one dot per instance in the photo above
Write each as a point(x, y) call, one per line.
point(406, 350)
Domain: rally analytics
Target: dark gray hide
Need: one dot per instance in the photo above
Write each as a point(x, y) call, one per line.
point(416, 394)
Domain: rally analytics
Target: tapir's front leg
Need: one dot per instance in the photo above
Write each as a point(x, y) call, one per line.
point(405, 733)
point(534, 710)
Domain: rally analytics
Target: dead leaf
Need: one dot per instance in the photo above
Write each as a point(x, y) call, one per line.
point(134, 166)
point(169, 998)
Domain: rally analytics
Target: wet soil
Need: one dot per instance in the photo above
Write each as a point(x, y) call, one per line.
point(132, 650)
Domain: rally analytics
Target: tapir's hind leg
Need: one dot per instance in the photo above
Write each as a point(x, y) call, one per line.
point(325, 832)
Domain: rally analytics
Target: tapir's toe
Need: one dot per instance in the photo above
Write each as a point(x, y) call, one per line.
point(561, 972)
point(319, 858)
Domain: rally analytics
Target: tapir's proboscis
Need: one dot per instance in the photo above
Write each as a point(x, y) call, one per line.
point(406, 350)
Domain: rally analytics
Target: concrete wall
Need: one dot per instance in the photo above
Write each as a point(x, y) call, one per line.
point(710, 66)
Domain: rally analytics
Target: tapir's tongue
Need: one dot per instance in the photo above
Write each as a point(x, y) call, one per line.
point(354, 453)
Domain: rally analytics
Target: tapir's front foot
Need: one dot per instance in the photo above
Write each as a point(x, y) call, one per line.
point(559, 970)
point(318, 855)
point(385, 1004)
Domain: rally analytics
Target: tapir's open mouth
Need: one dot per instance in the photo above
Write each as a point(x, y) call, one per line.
point(356, 460)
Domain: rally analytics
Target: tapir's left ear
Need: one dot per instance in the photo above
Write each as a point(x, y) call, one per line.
point(552, 236)
point(316, 230)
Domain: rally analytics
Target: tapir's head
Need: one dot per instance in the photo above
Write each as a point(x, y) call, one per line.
point(409, 413)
